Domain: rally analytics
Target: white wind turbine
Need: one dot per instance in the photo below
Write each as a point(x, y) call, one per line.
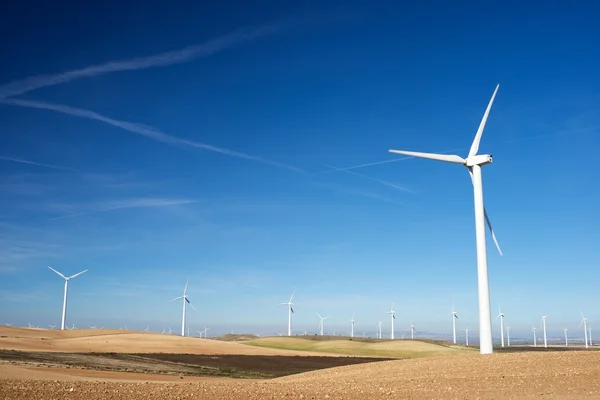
point(466, 336)
point(186, 301)
point(534, 338)
point(590, 334)
point(501, 316)
point(585, 331)
point(454, 318)
point(290, 312)
point(321, 323)
point(64, 310)
point(508, 336)
point(393, 317)
point(380, 337)
point(412, 330)
point(544, 328)
point(352, 325)
point(566, 338)
point(474, 162)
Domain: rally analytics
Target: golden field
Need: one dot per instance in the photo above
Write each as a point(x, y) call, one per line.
point(427, 370)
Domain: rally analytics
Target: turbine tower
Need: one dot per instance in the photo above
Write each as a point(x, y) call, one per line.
point(321, 324)
point(474, 162)
point(454, 318)
point(393, 317)
point(585, 329)
point(508, 336)
point(534, 338)
point(186, 301)
point(352, 325)
point(566, 338)
point(467, 337)
point(379, 329)
point(290, 312)
point(501, 316)
point(64, 310)
point(544, 328)
point(412, 330)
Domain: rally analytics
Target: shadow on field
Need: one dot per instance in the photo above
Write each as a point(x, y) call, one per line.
point(234, 366)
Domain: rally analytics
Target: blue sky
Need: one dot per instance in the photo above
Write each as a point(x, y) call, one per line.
point(164, 143)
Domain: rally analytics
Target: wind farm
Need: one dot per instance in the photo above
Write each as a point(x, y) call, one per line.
point(240, 201)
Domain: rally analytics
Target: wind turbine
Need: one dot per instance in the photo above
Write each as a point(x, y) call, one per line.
point(185, 299)
point(64, 310)
point(584, 322)
point(147, 329)
point(501, 316)
point(321, 323)
point(412, 330)
point(544, 327)
point(379, 329)
point(566, 338)
point(474, 162)
point(466, 336)
point(508, 336)
point(534, 338)
point(590, 334)
point(290, 312)
point(52, 326)
point(454, 318)
point(352, 325)
point(393, 317)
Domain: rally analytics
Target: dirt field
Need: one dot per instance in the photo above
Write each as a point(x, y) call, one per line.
point(521, 374)
point(228, 365)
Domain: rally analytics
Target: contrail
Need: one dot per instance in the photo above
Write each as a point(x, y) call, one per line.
point(19, 160)
point(371, 178)
point(19, 87)
point(137, 203)
point(140, 129)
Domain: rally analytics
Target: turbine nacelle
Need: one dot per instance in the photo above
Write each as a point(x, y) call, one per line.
point(482, 159)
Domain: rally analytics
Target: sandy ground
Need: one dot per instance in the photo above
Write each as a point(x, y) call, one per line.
point(116, 341)
point(566, 375)
point(555, 375)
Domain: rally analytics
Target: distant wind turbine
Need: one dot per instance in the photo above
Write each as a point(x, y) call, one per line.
point(351, 325)
point(379, 332)
point(534, 338)
point(393, 317)
point(185, 299)
point(52, 326)
point(590, 335)
point(501, 316)
point(64, 310)
point(466, 336)
point(474, 162)
point(321, 323)
point(508, 336)
point(544, 328)
point(454, 318)
point(147, 329)
point(585, 331)
point(566, 338)
point(412, 330)
point(290, 312)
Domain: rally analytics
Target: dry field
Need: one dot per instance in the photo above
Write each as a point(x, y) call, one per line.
point(467, 375)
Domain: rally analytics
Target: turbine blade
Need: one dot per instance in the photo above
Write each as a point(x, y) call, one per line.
point(487, 220)
point(185, 288)
point(291, 308)
point(489, 224)
point(192, 305)
point(61, 275)
point(176, 298)
point(475, 145)
point(439, 157)
point(293, 293)
point(77, 274)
